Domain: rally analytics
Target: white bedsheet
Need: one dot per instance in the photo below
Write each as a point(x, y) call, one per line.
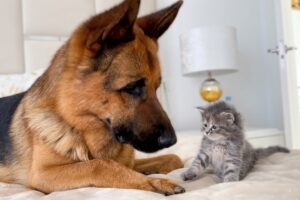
point(275, 178)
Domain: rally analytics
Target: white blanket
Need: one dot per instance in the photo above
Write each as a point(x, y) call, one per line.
point(274, 178)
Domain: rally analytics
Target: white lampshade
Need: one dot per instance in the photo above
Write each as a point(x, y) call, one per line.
point(209, 49)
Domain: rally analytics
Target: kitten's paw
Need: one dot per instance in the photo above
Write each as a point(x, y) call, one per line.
point(231, 179)
point(189, 175)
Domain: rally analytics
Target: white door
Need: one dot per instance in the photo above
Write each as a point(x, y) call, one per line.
point(287, 51)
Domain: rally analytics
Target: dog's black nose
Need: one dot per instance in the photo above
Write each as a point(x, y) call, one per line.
point(167, 140)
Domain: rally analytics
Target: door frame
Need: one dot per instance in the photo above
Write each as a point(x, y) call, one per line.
point(283, 11)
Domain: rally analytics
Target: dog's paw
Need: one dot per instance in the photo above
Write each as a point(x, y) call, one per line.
point(164, 186)
point(168, 163)
point(189, 175)
point(173, 162)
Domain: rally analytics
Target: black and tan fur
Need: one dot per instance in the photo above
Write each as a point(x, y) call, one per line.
point(77, 125)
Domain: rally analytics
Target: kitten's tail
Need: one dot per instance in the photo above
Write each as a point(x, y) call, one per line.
point(265, 152)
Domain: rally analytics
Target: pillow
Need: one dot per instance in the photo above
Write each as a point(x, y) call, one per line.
point(16, 83)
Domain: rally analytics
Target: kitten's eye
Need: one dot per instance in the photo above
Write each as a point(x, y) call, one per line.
point(214, 127)
point(205, 125)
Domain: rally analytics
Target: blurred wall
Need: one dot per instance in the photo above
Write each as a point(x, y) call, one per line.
point(296, 26)
point(11, 37)
point(32, 30)
point(255, 89)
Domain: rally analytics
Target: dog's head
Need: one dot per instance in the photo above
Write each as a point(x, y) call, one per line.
point(111, 75)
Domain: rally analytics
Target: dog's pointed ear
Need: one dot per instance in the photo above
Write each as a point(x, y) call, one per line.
point(154, 25)
point(119, 29)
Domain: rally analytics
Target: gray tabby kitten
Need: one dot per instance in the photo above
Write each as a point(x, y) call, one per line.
point(224, 145)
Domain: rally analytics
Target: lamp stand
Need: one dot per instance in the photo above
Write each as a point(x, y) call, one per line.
point(211, 89)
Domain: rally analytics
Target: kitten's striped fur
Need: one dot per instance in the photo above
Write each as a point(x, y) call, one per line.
point(224, 145)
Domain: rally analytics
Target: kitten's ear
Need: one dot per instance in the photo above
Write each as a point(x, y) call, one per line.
point(201, 109)
point(229, 117)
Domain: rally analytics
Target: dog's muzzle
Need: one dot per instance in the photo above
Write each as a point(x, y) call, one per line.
point(146, 142)
point(166, 140)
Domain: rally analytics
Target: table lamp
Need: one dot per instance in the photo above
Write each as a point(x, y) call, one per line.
point(209, 50)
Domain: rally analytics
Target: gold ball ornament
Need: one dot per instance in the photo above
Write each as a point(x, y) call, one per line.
point(211, 90)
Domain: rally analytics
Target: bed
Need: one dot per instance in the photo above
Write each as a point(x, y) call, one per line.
point(276, 177)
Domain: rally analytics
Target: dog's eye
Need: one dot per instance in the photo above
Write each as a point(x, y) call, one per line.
point(135, 89)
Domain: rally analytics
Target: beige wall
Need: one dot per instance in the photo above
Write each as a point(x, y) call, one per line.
point(296, 26)
point(11, 38)
point(32, 30)
point(255, 88)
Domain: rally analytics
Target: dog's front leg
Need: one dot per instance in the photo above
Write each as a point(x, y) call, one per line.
point(97, 173)
point(158, 165)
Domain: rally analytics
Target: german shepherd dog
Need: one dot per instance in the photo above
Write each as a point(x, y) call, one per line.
point(79, 123)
